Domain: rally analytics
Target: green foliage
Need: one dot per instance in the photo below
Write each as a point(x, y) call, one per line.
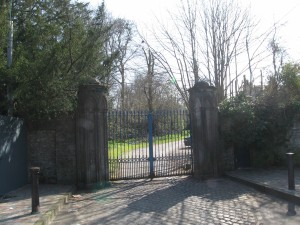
point(262, 129)
point(261, 125)
point(290, 79)
point(236, 115)
point(58, 45)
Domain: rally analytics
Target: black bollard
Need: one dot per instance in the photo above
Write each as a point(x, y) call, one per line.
point(35, 198)
point(291, 177)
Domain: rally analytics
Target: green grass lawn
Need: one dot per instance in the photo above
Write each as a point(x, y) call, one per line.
point(117, 148)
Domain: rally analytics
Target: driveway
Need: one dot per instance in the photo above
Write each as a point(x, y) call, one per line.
point(176, 200)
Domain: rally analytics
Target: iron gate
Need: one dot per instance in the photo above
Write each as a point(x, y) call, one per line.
point(143, 144)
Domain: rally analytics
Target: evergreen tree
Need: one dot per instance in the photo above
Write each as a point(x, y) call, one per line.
point(58, 45)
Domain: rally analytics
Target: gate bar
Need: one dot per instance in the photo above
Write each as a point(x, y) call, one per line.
point(150, 119)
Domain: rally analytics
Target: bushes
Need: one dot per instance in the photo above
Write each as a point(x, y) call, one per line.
point(261, 129)
point(261, 125)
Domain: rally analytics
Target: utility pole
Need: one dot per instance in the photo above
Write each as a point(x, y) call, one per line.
point(9, 61)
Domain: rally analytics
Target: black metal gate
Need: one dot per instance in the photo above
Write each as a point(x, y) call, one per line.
point(143, 144)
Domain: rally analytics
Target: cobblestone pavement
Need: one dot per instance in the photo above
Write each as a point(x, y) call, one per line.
point(177, 200)
point(15, 207)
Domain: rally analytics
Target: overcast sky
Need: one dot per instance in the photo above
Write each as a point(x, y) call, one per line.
point(286, 12)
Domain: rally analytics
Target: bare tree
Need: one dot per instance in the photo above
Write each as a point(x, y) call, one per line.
point(278, 54)
point(204, 42)
point(178, 54)
point(148, 88)
point(164, 95)
point(121, 45)
point(224, 23)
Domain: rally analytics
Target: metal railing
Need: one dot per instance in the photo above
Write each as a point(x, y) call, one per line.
point(143, 144)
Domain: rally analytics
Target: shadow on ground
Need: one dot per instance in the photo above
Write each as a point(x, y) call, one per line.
point(176, 200)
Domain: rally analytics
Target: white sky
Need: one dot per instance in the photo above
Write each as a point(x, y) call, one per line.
point(143, 12)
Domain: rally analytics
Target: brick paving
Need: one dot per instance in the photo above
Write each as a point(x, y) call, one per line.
point(177, 200)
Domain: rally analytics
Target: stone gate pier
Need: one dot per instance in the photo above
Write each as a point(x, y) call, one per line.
point(204, 130)
point(91, 137)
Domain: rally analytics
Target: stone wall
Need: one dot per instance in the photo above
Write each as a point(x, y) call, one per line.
point(66, 152)
point(52, 146)
point(73, 150)
point(228, 159)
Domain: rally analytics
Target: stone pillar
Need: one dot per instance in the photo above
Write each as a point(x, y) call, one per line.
point(204, 130)
point(91, 137)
